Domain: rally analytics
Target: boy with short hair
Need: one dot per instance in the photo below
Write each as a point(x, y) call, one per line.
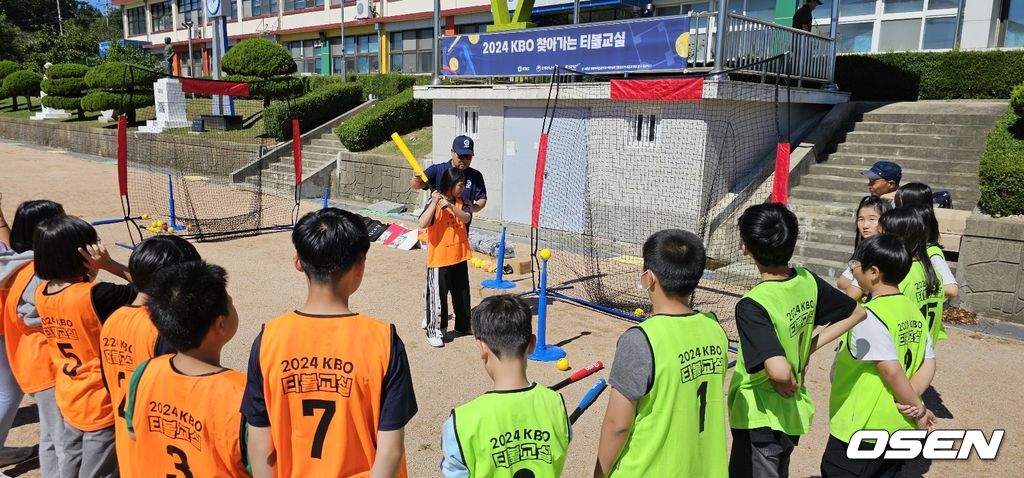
point(665, 410)
point(350, 419)
point(882, 366)
point(129, 337)
point(182, 408)
point(769, 406)
point(518, 429)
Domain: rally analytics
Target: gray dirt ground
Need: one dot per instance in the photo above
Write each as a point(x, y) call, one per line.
point(978, 382)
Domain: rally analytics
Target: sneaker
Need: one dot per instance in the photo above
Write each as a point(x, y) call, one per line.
point(423, 325)
point(435, 341)
point(15, 455)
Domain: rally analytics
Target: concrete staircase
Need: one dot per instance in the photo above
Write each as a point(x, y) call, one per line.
point(321, 151)
point(938, 143)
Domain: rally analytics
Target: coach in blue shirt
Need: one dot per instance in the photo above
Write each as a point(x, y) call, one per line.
point(462, 156)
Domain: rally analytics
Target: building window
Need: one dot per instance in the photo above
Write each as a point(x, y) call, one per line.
point(197, 62)
point(850, 8)
point(306, 54)
point(900, 35)
point(469, 121)
point(643, 127)
point(255, 8)
point(362, 54)
point(943, 4)
point(903, 6)
point(472, 28)
point(939, 33)
point(136, 21)
point(290, 5)
point(161, 13)
point(1014, 24)
point(411, 51)
point(762, 9)
point(854, 37)
point(234, 9)
point(666, 11)
point(190, 10)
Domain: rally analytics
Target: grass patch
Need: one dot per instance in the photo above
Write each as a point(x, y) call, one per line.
point(420, 142)
point(7, 108)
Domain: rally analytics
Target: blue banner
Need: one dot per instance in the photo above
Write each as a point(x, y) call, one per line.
point(649, 44)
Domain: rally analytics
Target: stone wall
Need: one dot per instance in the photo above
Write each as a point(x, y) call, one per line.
point(991, 267)
point(371, 178)
point(79, 139)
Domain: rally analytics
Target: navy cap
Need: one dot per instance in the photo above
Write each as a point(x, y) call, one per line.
point(463, 145)
point(887, 170)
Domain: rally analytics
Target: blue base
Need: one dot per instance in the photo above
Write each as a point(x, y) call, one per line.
point(497, 284)
point(547, 353)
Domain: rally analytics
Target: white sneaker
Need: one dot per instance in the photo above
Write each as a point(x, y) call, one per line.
point(435, 341)
point(423, 325)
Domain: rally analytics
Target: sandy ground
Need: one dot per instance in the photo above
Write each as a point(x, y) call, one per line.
point(977, 385)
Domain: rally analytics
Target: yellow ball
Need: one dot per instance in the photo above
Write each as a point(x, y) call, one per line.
point(638, 312)
point(145, 216)
point(562, 364)
point(492, 268)
point(545, 254)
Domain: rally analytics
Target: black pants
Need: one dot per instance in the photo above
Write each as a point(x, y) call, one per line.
point(835, 463)
point(442, 281)
point(761, 452)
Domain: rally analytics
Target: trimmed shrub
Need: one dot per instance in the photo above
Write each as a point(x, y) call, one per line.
point(120, 102)
point(22, 83)
point(315, 82)
point(63, 103)
point(910, 76)
point(1017, 100)
point(272, 88)
point(386, 85)
point(66, 70)
point(312, 110)
point(1001, 171)
point(63, 86)
point(6, 68)
point(262, 58)
point(400, 113)
point(119, 87)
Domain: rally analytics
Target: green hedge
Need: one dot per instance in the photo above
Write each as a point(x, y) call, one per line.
point(386, 85)
point(63, 86)
point(1017, 99)
point(66, 70)
point(69, 104)
point(119, 76)
point(7, 67)
point(272, 88)
point(909, 76)
point(312, 110)
point(315, 82)
point(400, 113)
point(1001, 172)
point(258, 57)
point(119, 102)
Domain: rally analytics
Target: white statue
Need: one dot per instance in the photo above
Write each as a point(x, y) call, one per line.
point(49, 113)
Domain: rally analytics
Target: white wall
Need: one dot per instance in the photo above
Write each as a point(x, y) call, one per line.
point(980, 26)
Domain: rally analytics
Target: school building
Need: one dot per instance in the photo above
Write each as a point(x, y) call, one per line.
point(395, 35)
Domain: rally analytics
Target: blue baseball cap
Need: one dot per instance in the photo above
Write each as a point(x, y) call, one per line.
point(886, 170)
point(463, 145)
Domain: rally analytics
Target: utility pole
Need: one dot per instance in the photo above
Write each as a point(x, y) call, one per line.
point(191, 66)
point(344, 66)
point(60, 21)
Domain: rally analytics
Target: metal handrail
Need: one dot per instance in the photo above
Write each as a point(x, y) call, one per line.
point(751, 40)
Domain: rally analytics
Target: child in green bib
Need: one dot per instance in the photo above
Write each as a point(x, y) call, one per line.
point(665, 409)
point(883, 365)
point(518, 429)
point(769, 407)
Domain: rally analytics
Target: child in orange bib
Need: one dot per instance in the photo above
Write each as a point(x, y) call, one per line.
point(329, 390)
point(26, 367)
point(183, 408)
point(129, 338)
point(447, 219)
point(72, 308)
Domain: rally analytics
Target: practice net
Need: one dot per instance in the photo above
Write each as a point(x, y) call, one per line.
point(208, 169)
point(621, 159)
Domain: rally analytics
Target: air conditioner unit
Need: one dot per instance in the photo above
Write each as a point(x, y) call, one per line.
point(363, 9)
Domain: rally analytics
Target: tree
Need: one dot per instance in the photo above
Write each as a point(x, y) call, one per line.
point(76, 45)
point(120, 87)
point(132, 55)
point(64, 87)
point(6, 68)
point(22, 83)
point(12, 39)
point(33, 15)
point(263, 63)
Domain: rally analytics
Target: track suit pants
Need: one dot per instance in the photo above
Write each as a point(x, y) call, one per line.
point(442, 281)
